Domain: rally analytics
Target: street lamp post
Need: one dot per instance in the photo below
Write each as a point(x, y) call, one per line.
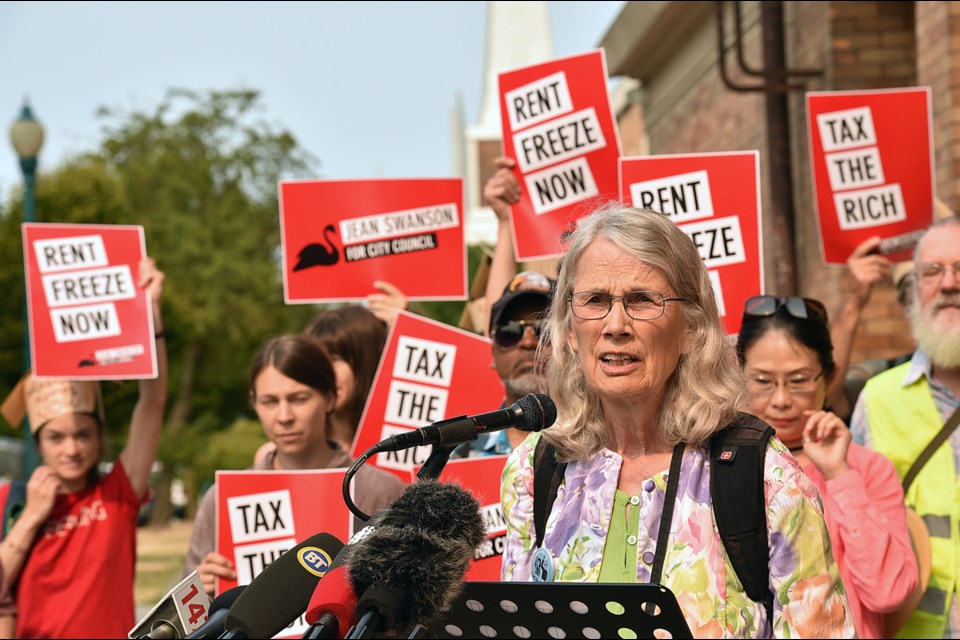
point(26, 135)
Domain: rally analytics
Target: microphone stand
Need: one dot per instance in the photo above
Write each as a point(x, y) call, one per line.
point(459, 430)
point(439, 456)
point(365, 627)
point(326, 628)
point(348, 500)
point(380, 605)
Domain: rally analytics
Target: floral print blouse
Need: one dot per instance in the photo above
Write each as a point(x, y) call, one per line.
point(809, 600)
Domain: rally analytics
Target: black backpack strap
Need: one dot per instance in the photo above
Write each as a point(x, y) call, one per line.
point(16, 501)
point(736, 486)
point(547, 478)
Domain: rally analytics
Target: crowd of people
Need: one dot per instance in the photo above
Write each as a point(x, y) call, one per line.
point(626, 337)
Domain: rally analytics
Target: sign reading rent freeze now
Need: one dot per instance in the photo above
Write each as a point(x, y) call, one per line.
point(87, 317)
point(559, 126)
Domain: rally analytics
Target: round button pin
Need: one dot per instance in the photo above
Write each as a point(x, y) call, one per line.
point(542, 568)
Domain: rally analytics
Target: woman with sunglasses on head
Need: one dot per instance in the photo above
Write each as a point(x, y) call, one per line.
point(644, 379)
point(787, 357)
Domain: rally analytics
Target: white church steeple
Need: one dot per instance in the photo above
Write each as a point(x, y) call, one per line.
point(518, 34)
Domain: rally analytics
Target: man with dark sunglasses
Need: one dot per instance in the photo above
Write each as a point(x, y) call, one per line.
point(515, 328)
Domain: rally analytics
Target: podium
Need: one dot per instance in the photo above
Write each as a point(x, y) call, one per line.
point(562, 610)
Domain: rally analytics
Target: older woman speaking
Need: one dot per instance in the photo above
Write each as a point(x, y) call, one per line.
point(643, 376)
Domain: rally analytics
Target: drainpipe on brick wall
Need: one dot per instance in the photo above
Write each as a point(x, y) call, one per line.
point(778, 150)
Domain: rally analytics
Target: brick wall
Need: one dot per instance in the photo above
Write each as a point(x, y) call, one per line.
point(807, 33)
point(938, 43)
point(858, 45)
point(873, 45)
point(633, 138)
point(487, 151)
point(855, 45)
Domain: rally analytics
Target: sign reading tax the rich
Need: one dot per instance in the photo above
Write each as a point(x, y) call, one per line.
point(871, 154)
point(429, 372)
point(263, 514)
point(558, 125)
point(87, 317)
point(715, 199)
point(339, 236)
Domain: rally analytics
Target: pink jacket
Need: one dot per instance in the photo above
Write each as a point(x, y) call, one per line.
point(867, 522)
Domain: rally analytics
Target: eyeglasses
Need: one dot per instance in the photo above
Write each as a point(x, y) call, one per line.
point(639, 305)
point(796, 385)
point(509, 334)
point(932, 272)
point(802, 308)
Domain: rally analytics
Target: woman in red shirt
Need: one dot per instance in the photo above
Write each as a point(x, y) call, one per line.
point(70, 555)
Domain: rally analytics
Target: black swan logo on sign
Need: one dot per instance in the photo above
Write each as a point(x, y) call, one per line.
point(319, 255)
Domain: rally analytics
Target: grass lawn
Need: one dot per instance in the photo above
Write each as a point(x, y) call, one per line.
point(160, 555)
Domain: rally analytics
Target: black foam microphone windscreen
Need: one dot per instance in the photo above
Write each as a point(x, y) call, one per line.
point(418, 553)
point(281, 592)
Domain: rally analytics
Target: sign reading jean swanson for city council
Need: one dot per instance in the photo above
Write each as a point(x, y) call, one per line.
point(715, 199)
point(429, 372)
point(86, 315)
point(558, 125)
point(263, 514)
point(338, 236)
point(872, 161)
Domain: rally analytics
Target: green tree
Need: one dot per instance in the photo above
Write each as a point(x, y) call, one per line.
point(81, 191)
point(200, 174)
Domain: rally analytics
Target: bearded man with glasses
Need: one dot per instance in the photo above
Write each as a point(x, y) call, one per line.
point(905, 413)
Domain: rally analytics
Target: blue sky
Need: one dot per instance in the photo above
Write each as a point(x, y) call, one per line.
point(367, 87)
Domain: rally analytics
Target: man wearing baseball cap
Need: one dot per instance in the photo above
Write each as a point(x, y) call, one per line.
point(515, 327)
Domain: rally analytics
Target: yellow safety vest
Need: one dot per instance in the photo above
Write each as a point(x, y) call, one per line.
point(903, 420)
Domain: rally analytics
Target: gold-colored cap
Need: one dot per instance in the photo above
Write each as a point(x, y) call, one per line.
point(42, 400)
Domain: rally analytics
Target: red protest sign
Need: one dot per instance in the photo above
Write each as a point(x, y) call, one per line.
point(429, 372)
point(87, 317)
point(262, 514)
point(558, 125)
point(481, 477)
point(338, 236)
point(715, 199)
point(871, 156)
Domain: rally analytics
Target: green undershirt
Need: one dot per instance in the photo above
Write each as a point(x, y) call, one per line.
point(619, 563)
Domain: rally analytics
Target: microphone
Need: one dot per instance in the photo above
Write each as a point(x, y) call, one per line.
point(217, 617)
point(332, 607)
point(333, 603)
point(179, 611)
point(411, 567)
point(280, 593)
point(532, 412)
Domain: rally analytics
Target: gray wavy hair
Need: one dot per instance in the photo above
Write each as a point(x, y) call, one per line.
point(703, 393)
